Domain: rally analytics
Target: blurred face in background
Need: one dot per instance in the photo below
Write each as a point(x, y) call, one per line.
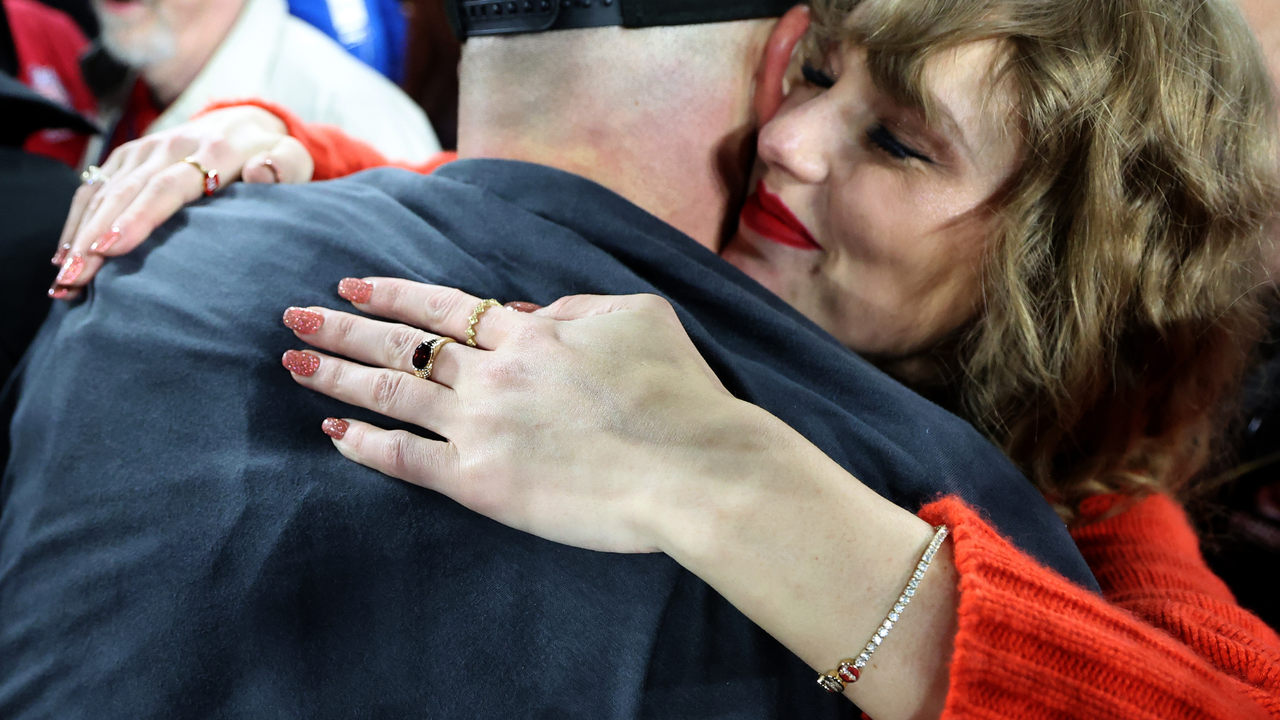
point(140, 33)
point(179, 33)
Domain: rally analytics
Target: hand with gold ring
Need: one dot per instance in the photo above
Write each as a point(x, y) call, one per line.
point(209, 182)
point(564, 422)
point(594, 422)
point(144, 182)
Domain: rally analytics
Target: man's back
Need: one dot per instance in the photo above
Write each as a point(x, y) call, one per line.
point(178, 538)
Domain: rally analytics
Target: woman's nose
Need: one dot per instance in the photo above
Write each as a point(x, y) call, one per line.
point(797, 139)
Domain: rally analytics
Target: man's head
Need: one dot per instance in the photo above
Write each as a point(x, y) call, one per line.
point(665, 116)
point(171, 39)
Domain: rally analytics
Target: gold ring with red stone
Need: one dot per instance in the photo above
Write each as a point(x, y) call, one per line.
point(424, 356)
point(210, 176)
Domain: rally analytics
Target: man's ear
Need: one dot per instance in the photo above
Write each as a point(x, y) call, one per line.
point(772, 70)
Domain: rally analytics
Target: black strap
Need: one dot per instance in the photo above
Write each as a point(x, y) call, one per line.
point(655, 13)
point(486, 17)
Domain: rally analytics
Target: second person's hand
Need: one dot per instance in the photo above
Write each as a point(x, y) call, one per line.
point(144, 182)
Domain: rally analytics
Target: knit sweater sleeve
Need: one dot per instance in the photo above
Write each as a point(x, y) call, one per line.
point(1167, 642)
point(334, 153)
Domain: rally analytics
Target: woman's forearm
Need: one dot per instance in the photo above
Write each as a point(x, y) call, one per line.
point(818, 560)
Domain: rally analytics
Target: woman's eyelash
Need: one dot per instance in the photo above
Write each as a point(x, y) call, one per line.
point(814, 76)
point(885, 140)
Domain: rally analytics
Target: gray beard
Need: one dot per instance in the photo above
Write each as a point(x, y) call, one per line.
point(138, 50)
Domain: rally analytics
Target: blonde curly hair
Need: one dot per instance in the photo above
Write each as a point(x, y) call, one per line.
point(1122, 284)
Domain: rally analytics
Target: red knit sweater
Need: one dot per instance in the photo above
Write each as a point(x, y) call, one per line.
point(1166, 641)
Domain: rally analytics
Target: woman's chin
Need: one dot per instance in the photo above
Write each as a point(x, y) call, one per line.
point(781, 270)
point(795, 276)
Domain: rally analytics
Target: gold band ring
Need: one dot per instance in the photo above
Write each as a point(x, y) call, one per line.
point(424, 356)
point(210, 176)
point(270, 165)
point(475, 318)
point(93, 175)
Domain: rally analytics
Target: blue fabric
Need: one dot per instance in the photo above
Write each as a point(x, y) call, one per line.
point(178, 539)
point(376, 37)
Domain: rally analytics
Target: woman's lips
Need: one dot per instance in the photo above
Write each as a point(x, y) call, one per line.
point(766, 215)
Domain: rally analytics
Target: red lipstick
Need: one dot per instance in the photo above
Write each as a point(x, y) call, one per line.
point(766, 215)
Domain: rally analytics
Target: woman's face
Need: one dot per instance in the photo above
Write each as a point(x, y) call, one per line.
point(868, 220)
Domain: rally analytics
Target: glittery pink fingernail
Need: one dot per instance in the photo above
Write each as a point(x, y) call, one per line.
point(105, 242)
point(59, 292)
point(355, 290)
point(305, 322)
point(61, 255)
point(71, 270)
point(521, 306)
point(335, 428)
point(304, 364)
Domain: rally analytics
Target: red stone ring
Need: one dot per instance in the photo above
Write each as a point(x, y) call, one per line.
point(424, 357)
point(210, 176)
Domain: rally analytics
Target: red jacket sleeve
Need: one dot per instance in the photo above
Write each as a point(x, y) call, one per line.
point(335, 153)
point(1167, 642)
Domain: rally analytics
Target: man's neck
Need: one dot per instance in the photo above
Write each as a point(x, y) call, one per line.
point(685, 182)
point(196, 44)
point(686, 162)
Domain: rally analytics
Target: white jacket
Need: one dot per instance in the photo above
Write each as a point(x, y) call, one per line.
point(274, 56)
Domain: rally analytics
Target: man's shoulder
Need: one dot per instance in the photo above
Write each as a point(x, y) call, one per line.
point(378, 209)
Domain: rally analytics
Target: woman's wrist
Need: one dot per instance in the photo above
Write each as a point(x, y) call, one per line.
point(817, 559)
point(754, 471)
point(719, 482)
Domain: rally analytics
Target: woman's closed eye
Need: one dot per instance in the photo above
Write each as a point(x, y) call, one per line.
point(816, 77)
point(885, 140)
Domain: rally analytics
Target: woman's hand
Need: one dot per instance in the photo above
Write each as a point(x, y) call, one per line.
point(144, 182)
point(578, 422)
point(595, 422)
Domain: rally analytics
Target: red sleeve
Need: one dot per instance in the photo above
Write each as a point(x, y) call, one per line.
point(335, 153)
point(1167, 642)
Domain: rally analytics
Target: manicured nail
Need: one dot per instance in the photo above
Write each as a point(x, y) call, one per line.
point(524, 307)
point(355, 290)
point(71, 270)
point(61, 255)
point(105, 242)
point(335, 428)
point(304, 364)
point(305, 322)
point(59, 292)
